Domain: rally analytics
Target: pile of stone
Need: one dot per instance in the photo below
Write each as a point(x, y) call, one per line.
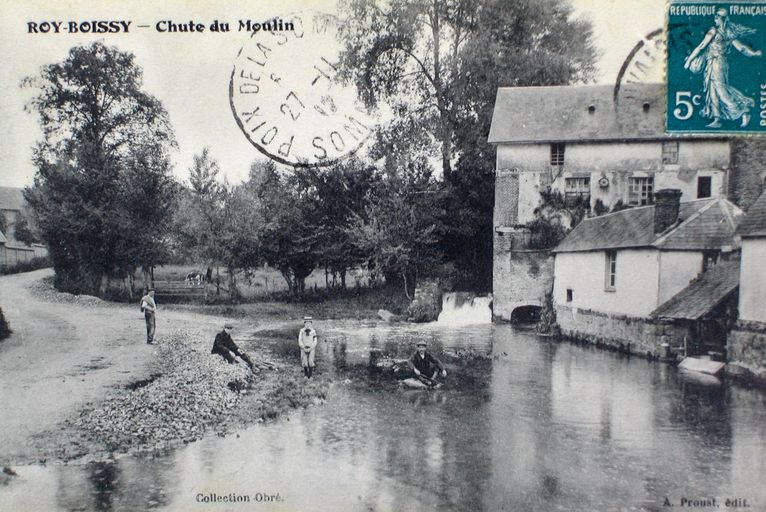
point(194, 391)
point(44, 290)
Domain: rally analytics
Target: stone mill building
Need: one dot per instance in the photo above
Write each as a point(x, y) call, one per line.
point(578, 142)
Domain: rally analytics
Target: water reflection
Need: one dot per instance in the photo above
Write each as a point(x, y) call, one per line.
point(531, 424)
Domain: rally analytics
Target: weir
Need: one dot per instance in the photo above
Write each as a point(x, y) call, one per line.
point(465, 308)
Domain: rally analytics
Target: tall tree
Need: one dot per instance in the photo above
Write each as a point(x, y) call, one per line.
point(99, 129)
point(402, 226)
point(204, 222)
point(438, 65)
point(335, 196)
point(289, 237)
point(406, 53)
point(441, 61)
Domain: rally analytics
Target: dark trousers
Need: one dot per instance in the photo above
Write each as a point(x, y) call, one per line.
point(150, 326)
point(229, 355)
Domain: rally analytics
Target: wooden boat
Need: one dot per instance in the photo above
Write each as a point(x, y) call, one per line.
point(707, 366)
point(413, 383)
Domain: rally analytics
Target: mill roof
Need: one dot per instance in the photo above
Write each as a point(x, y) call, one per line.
point(754, 223)
point(579, 113)
point(702, 224)
point(703, 294)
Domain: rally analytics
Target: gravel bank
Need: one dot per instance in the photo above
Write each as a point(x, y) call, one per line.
point(190, 393)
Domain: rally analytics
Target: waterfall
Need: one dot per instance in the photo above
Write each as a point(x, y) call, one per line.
point(465, 308)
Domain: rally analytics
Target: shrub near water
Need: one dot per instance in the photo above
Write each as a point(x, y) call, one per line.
point(5, 328)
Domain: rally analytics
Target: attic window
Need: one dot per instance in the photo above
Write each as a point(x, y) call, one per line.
point(670, 152)
point(647, 106)
point(592, 109)
point(557, 154)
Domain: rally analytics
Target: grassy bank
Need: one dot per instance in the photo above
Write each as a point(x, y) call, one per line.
point(362, 303)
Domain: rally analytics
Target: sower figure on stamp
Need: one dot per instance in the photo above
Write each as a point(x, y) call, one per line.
point(149, 308)
point(307, 341)
point(722, 100)
point(224, 346)
point(425, 366)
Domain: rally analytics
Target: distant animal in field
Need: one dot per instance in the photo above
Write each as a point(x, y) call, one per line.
point(194, 278)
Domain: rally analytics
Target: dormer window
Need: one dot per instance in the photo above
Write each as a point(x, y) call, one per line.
point(557, 153)
point(670, 152)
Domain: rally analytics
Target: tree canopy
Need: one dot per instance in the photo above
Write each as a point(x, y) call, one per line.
point(103, 185)
point(438, 64)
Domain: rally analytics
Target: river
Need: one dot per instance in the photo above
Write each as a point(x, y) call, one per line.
point(543, 425)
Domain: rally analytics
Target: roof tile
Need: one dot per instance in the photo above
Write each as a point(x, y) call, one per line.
point(11, 198)
point(579, 113)
point(703, 294)
point(704, 224)
point(754, 223)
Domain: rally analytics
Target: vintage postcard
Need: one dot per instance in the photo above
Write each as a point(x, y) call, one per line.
point(382, 255)
point(716, 73)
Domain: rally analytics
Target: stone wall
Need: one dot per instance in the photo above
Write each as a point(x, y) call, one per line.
point(635, 335)
point(746, 350)
point(747, 170)
point(521, 277)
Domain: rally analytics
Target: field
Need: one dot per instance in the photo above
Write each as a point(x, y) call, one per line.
point(258, 285)
point(265, 295)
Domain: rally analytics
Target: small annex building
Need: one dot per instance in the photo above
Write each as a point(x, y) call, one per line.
point(747, 340)
point(623, 279)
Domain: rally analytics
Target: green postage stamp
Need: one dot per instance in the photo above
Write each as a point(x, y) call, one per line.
point(716, 68)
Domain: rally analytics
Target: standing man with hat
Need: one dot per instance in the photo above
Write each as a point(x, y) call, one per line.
point(425, 366)
point(307, 341)
point(224, 346)
point(149, 308)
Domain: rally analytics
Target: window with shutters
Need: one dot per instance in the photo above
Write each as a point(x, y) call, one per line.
point(640, 191)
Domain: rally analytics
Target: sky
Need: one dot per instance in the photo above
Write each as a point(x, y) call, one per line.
point(189, 72)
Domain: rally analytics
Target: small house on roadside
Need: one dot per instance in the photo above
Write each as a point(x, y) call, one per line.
point(12, 251)
point(747, 341)
point(11, 205)
point(614, 274)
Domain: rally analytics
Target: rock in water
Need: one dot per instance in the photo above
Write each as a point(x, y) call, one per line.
point(385, 315)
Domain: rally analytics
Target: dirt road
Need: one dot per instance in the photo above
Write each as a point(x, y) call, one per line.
point(63, 355)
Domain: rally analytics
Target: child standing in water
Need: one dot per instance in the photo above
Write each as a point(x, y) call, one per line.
point(307, 341)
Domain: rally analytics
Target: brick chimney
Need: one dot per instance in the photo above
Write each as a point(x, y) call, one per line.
point(666, 205)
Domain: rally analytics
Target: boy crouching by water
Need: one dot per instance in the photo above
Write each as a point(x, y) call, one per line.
point(307, 341)
point(224, 346)
point(425, 366)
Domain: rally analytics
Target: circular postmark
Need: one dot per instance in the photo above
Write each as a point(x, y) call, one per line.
point(286, 98)
point(645, 63)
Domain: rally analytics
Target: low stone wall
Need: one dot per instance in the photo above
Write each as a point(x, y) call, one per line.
point(746, 351)
point(641, 336)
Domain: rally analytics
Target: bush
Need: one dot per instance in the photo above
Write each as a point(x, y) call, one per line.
point(26, 266)
point(5, 328)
